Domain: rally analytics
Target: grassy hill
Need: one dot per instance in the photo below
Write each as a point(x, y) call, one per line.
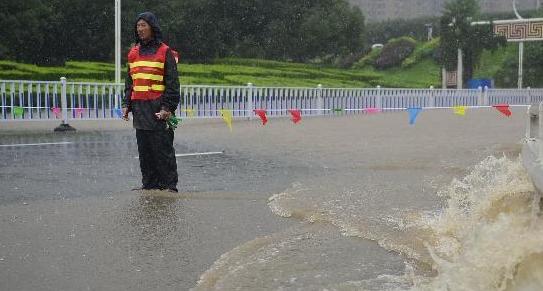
point(422, 74)
point(241, 72)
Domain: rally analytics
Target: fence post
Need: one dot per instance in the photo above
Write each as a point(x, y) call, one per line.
point(432, 97)
point(12, 98)
point(529, 97)
point(250, 101)
point(319, 100)
point(378, 100)
point(117, 94)
point(529, 128)
point(485, 96)
point(3, 93)
point(480, 98)
point(63, 127)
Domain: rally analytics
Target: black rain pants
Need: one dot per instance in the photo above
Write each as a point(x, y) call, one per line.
point(157, 159)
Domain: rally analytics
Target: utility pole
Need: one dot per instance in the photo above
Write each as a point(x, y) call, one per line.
point(520, 47)
point(117, 49)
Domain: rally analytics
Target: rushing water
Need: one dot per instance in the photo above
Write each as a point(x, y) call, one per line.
point(487, 236)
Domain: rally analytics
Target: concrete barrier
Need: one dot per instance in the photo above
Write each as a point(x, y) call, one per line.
point(532, 149)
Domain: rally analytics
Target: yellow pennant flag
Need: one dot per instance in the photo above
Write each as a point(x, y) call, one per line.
point(459, 110)
point(189, 111)
point(227, 117)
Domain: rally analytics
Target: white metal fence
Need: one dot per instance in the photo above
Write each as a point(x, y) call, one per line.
point(39, 100)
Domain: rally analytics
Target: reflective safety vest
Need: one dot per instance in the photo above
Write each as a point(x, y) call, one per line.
point(147, 72)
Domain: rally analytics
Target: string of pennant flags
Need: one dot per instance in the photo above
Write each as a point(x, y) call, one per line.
point(295, 113)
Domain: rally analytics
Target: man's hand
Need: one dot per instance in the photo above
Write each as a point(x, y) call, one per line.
point(125, 113)
point(163, 114)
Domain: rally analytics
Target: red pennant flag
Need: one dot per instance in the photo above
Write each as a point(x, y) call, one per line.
point(262, 114)
point(503, 108)
point(296, 115)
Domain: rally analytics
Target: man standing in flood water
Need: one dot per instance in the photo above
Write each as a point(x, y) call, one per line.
point(152, 95)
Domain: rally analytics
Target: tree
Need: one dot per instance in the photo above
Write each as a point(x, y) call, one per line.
point(50, 32)
point(333, 29)
point(457, 32)
point(27, 30)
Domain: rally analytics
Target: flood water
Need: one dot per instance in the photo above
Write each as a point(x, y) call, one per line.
point(340, 203)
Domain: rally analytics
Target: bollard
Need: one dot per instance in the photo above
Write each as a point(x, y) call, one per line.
point(63, 127)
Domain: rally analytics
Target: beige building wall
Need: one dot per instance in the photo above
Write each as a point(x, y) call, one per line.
point(378, 10)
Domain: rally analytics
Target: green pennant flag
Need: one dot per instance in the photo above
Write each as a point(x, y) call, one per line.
point(173, 122)
point(337, 110)
point(18, 111)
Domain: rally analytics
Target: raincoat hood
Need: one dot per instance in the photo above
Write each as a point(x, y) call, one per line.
point(152, 20)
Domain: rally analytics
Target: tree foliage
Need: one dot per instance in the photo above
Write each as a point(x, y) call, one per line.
point(50, 32)
point(458, 32)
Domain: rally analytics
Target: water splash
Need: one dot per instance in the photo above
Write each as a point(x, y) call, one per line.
point(487, 238)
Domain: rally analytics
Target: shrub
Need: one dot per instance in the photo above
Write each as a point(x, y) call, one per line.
point(394, 52)
point(347, 61)
point(422, 51)
point(368, 60)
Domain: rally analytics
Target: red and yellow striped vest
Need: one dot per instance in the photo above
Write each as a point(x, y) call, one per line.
point(147, 73)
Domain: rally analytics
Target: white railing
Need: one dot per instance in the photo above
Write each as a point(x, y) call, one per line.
point(39, 100)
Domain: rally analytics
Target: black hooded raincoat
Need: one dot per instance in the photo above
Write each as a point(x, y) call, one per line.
point(155, 141)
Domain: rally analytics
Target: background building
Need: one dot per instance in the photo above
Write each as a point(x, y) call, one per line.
point(379, 10)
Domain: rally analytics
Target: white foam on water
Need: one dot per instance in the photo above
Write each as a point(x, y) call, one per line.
point(347, 210)
point(487, 238)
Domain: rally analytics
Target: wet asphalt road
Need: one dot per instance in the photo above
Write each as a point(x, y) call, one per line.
point(69, 221)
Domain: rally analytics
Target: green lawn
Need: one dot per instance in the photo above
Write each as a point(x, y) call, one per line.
point(423, 74)
point(238, 72)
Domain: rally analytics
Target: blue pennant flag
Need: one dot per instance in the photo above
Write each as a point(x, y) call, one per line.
point(413, 113)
